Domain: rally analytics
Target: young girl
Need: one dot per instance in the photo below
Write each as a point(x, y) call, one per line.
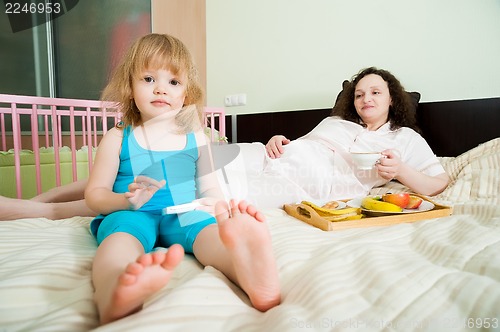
point(157, 158)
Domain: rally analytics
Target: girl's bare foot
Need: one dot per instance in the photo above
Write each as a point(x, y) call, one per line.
point(141, 279)
point(246, 236)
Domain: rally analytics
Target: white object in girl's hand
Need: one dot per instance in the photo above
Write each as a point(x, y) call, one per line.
point(181, 208)
point(366, 160)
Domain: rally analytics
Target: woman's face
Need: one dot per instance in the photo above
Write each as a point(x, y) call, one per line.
point(372, 100)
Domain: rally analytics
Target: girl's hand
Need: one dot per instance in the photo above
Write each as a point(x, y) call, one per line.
point(141, 191)
point(207, 204)
point(274, 147)
point(389, 165)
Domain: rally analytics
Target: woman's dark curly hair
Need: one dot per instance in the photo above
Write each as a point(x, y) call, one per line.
point(401, 112)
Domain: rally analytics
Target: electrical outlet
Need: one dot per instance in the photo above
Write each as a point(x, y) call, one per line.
point(235, 100)
point(227, 101)
point(242, 99)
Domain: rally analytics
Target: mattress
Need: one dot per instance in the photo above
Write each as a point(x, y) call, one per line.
point(47, 170)
point(432, 275)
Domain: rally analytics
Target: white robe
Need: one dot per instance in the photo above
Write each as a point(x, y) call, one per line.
point(318, 166)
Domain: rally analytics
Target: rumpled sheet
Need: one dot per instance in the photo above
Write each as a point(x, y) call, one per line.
point(433, 275)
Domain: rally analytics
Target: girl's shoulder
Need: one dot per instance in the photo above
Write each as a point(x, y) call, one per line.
point(200, 136)
point(115, 131)
point(112, 139)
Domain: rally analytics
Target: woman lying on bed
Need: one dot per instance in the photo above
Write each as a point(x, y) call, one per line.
point(372, 114)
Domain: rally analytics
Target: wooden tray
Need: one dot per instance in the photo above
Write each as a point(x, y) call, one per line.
point(310, 216)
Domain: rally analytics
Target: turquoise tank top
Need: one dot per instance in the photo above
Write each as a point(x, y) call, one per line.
point(177, 167)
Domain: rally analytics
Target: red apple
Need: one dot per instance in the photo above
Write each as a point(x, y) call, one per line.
point(400, 199)
point(415, 202)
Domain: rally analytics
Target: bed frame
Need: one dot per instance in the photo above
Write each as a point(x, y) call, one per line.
point(454, 127)
point(439, 274)
point(32, 123)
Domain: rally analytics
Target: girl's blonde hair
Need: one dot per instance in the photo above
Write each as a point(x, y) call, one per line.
point(156, 51)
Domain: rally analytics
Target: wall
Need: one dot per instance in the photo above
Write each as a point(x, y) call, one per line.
point(184, 19)
point(294, 54)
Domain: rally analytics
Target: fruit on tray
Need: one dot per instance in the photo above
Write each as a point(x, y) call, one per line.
point(400, 199)
point(369, 203)
point(344, 217)
point(415, 202)
point(404, 200)
point(328, 212)
point(348, 213)
point(331, 205)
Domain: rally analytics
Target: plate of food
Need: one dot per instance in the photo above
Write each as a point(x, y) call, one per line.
point(388, 204)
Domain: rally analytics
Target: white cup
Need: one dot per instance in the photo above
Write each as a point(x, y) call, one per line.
point(365, 160)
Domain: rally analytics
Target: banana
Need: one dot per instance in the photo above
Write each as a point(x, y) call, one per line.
point(345, 217)
point(330, 212)
point(372, 204)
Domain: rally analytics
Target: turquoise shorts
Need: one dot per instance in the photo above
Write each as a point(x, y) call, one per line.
point(153, 229)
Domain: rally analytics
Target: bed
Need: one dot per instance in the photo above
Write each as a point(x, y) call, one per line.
point(432, 275)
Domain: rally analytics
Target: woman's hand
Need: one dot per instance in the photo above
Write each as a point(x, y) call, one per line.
point(207, 204)
point(389, 165)
point(141, 191)
point(274, 147)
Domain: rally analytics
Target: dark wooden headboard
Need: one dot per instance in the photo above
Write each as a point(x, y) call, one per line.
point(450, 127)
point(453, 127)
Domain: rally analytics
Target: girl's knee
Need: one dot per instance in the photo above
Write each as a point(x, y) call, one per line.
point(137, 224)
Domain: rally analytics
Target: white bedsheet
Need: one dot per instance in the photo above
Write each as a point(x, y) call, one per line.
point(432, 275)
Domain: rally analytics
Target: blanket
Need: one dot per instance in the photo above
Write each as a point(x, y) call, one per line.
point(433, 275)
